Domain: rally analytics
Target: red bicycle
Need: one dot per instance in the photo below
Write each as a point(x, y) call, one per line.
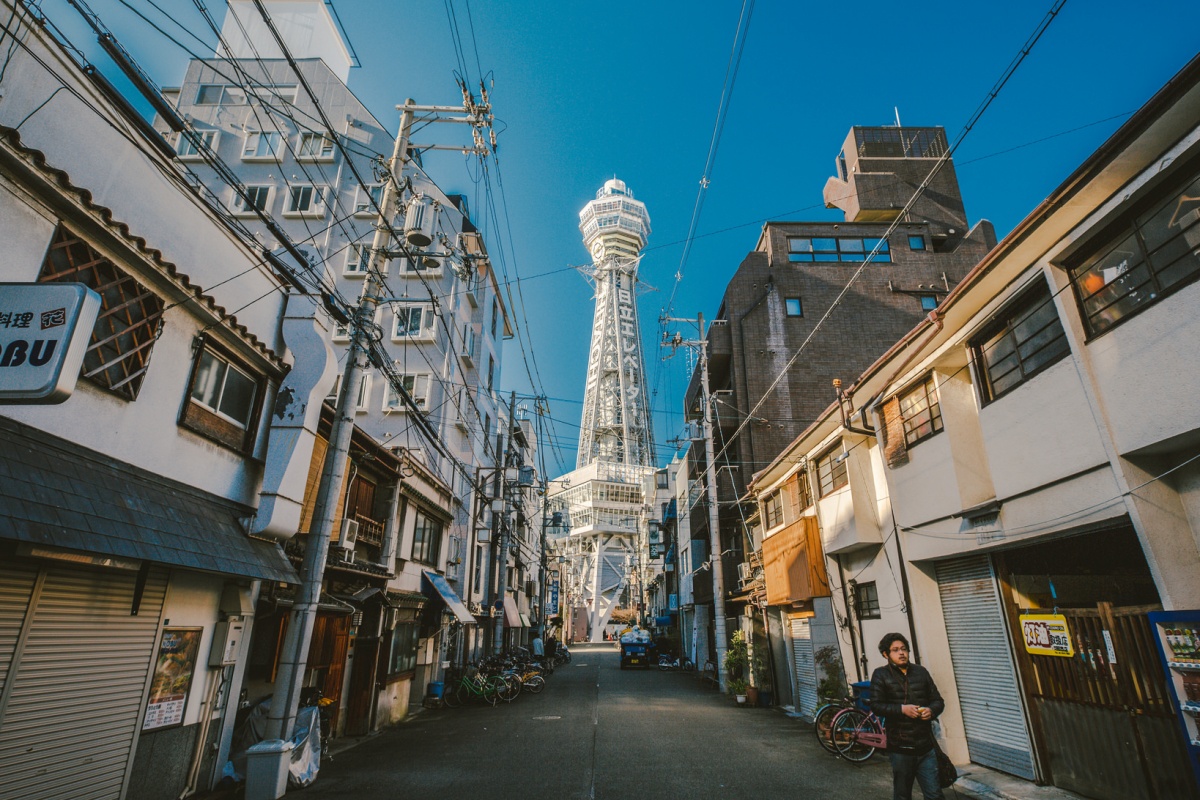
point(856, 735)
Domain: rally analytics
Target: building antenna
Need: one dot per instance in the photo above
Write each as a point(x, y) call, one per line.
point(897, 110)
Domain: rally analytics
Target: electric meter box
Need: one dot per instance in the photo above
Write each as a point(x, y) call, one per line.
point(227, 641)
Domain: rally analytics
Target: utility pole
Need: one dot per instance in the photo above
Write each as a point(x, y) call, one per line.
point(710, 477)
point(294, 659)
point(504, 526)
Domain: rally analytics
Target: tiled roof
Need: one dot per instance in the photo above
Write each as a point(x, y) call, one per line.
point(55, 493)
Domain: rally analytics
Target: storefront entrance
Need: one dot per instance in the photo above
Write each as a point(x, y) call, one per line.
point(1101, 718)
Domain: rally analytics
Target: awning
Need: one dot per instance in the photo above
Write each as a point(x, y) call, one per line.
point(525, 623)
point(512, 617)
point(59, 494)
point(441, 587)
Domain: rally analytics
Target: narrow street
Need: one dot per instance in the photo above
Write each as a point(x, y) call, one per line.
point(600, 732)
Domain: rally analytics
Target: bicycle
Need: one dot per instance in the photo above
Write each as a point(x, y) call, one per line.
point(857, 734)
point(823, 720)
point(473, 686)
point(666, 662)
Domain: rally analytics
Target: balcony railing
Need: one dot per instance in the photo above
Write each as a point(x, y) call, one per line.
point(370, 531)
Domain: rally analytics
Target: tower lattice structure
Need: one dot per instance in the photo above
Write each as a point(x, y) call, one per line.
point(603, 501)
point(616, 425)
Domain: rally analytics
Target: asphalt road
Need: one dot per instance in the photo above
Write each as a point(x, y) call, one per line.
point(599, 733)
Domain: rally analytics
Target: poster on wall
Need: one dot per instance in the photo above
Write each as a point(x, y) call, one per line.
point(173, 673)
point(1046, 635)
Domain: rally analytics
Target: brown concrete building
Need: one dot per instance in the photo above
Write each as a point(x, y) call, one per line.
point(815, 301)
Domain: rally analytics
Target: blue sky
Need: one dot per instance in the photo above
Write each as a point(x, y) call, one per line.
point(587, 91)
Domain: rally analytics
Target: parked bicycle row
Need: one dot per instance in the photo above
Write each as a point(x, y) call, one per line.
point(497, 679)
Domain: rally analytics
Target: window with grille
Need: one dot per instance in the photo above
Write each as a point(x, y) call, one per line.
point(921, 412)
point(831, 470)
point(1023, 340)
point(402, 656)
point(314, 147)
point(773, 510)
point(358, 260)
point(866, 601)
point(804, 495)
point(223, 400)
point(427, 539)
point(129, 319)
point(1145, 259)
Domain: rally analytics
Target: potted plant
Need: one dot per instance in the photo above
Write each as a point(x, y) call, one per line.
point(737, 656)
point(737, 688)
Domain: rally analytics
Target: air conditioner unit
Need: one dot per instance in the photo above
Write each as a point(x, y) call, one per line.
point(348, 534)
point(744, 572)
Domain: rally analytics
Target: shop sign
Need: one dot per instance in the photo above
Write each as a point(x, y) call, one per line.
point(1046, 635)
point(44, 332)
point(173, 673)
point(552, 600)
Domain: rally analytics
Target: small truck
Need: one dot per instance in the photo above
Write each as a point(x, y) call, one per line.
point(637, 650)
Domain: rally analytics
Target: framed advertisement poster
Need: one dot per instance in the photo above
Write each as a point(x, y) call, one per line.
point(173, 671)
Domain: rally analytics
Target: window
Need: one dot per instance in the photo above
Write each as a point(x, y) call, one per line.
point(189, 143)
point(772, 510)
point(315, 147)
point(128, 322)
point(363, 206)
point(256, 198)
point(831, 470)
point(793, 307)
point(866, 601)
point(1152, 256)
point(495, 315)
point(916, 242)
point(491, 372)
point(223, 400)
point(341, 333)
point(261, 146)
point(417, 387)
point(402, 657)
point(358, 259)
point(803, 489)
point(1023, 340)
point(803, 248)
point(412, 321)
point(210, 94)
point(929, 302)
point(417, 266)
point(364, 393)
point(305, 199)
point(468, 345)
point(427, 539)
point(920, 412)
point(273, 95)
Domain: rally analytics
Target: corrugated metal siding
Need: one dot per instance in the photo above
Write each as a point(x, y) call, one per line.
point(16, 585)
point(983, 668)
point(71, 722)
point(806, 667)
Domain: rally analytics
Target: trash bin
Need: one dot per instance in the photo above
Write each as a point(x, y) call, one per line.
point(267, 769)
point(435, 689)
point(862, 693)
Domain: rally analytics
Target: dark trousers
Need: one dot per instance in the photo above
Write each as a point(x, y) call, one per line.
point(923, 768)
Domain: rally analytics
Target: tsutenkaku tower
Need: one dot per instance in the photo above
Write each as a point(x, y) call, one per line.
point(616, 415)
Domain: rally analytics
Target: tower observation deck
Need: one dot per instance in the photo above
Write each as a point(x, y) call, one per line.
point(616, 425)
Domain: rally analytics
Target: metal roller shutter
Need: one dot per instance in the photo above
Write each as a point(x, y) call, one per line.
point(983, 667)
point(806, 667)
point(16, 587)
point(77, 690)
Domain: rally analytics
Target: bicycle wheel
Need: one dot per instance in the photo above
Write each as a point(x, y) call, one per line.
point(452, 697)
point(846, 729)
point(535, 684)
point(512, 688)
point(823, 725)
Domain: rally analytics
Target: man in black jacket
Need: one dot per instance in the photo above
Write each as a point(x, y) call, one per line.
point(905, 696)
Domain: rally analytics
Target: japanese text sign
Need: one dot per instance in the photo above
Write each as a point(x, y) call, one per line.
point(1046, 635)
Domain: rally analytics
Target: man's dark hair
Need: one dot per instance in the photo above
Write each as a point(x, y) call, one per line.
point(885, 644)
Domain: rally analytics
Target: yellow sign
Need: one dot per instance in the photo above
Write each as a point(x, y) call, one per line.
point(1046, 635)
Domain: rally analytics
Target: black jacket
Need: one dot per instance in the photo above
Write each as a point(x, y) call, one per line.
point(890, 689)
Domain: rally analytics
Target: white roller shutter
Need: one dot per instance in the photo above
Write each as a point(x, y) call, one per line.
point(806, 667)
point(16, 587)
point(983, 667)
point(68, 729)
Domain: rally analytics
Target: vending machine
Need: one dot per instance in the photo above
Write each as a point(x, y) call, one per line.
point(1177, 634)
